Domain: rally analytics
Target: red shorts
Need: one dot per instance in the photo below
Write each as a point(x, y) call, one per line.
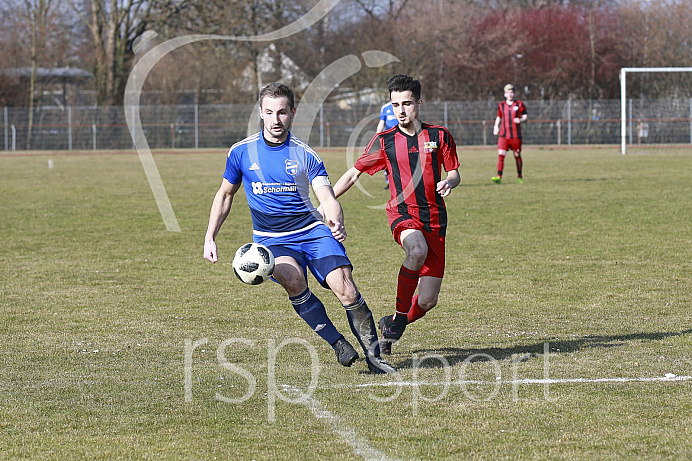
point(509, 144)
point(434, 265)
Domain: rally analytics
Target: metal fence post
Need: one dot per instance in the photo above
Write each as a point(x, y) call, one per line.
point(6, 129)
point(569, 122)
point(196, 126)
point(322, 125)
point(630, 121)
point(69, 127)
point(134, 112)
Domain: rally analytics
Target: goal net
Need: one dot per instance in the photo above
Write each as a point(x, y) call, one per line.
point(661, 120)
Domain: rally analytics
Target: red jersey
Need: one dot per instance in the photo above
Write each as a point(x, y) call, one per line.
point(414, 164)
point(508, 112)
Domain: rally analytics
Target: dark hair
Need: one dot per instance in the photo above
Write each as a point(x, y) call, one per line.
point(403, 82)
point(277, 90)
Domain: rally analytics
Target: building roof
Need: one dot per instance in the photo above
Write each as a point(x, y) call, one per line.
point(50, 73)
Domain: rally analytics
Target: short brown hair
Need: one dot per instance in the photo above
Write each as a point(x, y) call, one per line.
point(277, 90)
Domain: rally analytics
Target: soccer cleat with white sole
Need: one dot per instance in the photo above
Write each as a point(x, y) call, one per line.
point(379, 366)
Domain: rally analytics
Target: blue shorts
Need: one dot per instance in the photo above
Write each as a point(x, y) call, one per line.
point(314, 248)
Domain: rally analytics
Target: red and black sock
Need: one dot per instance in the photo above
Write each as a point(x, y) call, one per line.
point(500, 164)
point(406, 287)
point(415, 312)
point(520, 164)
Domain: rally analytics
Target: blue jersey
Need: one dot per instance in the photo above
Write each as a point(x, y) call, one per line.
point(387, 114)
point(277, 183)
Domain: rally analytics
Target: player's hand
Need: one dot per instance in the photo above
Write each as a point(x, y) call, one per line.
point(517, 120)
point(320, 210)
point(338, 230)
point(496, 130)
point(210, 251)
point(443, 188)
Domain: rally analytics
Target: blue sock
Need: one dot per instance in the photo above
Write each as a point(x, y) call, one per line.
point(311, 309)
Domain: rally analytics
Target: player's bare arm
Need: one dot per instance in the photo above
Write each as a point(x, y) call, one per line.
point(496, 128)
point(452, 180)
point(523, 118)
point(220, 208)
point(345, 182)
point(332, 211)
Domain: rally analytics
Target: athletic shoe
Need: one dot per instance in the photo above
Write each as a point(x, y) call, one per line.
point(497, 179)
point(393, 328)
point(379, 366)
point(386, 187)
point(345, 353)
point(391, 331)
point(386, 346)
point(520, 180)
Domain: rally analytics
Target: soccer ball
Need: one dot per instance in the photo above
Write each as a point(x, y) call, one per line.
point(253, 263)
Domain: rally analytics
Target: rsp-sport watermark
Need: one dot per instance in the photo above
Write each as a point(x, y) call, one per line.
point(454, 376)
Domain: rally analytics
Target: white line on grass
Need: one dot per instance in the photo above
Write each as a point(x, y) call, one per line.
point(667, 378)
point(360, 446)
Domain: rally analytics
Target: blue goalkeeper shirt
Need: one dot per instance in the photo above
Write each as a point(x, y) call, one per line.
point(277, 183)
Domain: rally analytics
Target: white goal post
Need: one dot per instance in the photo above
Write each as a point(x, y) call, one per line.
point(623, 95)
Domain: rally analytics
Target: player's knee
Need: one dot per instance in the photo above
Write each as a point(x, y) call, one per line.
point(349, 295)
point(427, 303)
point(341, 282)
point(293, 285)
point(416, 256)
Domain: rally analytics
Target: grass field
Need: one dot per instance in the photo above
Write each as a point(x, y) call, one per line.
point(120, 341)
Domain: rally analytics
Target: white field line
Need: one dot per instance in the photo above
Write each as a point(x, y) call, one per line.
point(360, 446)
point(667, 378)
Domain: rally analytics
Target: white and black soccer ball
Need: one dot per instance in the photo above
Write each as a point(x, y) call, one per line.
point(253, 263)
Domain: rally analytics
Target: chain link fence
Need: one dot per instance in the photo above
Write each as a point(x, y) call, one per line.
point(220, 126)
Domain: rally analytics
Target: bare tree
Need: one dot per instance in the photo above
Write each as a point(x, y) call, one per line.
point(35, 14)
point(461, 49)
point(383, 10)
point(658, 35)
point(113, 27)
point(238, 63)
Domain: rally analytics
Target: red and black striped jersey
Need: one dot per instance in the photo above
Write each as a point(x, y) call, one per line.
point(414, 165)
point(507, 114)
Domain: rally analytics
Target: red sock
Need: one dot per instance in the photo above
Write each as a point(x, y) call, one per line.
point(519, 165)
point(415, 312)
point(500, 164)
point(408, 282)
